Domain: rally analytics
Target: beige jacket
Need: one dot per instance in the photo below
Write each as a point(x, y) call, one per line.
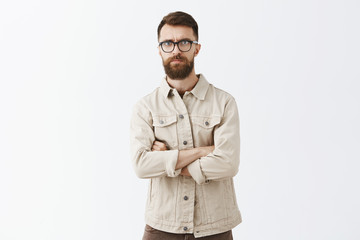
point(204, 204)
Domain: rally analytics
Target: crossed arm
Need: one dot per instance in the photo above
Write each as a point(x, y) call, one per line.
point(185, 157)
point(151, 158)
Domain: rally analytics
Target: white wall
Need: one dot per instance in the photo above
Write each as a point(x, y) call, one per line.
point(70, 72)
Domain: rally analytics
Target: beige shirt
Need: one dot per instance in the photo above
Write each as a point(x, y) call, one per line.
point(204, 204)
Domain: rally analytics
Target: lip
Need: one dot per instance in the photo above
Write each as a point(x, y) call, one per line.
point(176, 61)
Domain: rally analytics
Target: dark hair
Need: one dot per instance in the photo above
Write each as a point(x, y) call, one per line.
point(179, 18)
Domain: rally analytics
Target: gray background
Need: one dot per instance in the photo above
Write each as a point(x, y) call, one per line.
point(70, 72)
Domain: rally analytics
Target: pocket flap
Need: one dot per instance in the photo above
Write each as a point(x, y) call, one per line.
point(206, 122)
point(163, 121)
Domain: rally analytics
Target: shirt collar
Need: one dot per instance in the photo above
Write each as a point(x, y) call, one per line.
point(198, 91)
point(165, 89)
point(200, 88)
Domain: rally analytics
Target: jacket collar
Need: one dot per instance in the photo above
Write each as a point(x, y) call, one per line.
point(199, 91)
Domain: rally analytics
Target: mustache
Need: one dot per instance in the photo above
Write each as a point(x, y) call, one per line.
point(177, 57)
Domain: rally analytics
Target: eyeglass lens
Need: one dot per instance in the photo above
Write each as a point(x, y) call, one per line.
point(169, 46)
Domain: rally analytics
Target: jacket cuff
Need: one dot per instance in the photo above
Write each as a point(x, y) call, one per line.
point(196, 172)
point(171, 160)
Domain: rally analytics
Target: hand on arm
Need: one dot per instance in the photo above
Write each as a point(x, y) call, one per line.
point(185, 156)
point(148, 163)
point(185, 172)
point(158, 146)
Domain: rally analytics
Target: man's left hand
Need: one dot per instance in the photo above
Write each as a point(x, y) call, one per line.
point(185, 172)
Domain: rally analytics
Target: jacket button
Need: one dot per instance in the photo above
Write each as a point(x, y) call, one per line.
point(185, 228)
point(161, 122)
point(181, 116)
point(186, 198)
point(207, 123)
point(184, 142)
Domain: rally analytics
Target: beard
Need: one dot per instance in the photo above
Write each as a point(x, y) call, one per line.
point(178, 71)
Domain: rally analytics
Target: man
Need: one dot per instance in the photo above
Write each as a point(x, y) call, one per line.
point(185, 139)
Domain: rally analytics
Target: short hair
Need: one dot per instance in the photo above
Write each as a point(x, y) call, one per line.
point(179, 18)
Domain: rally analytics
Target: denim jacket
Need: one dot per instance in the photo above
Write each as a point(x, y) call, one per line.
point(205, 203)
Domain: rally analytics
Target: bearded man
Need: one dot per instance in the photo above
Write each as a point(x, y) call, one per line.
point(185, 139)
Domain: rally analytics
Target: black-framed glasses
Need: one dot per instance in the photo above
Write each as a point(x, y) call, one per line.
point(183, 45)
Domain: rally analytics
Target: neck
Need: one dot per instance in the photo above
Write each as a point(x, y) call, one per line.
point(183, 85)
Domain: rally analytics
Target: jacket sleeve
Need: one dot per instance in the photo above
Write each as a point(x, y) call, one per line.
point(224, 161)
point(147, 163)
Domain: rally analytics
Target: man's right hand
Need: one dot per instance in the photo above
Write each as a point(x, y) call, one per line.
point(158, 146)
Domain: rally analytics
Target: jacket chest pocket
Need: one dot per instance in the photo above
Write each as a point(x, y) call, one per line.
point(203, 129)
point(165, 130)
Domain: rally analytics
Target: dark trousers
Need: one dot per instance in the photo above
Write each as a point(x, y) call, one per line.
point(154, 234)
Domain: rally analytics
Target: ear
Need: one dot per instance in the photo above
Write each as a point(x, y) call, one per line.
point(159, 50)
point(197, 49)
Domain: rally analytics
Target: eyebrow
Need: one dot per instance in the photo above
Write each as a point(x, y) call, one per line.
point(187, 39)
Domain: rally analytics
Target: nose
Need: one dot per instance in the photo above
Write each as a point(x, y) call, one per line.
point(176, 50)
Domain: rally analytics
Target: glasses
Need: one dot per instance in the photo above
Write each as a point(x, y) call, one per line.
point(183, 45)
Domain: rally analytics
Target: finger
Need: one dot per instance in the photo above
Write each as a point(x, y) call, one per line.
point(158, 143)
point(155, 148)
point(162, 146)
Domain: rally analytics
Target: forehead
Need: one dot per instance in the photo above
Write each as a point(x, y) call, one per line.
point(175, 33)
